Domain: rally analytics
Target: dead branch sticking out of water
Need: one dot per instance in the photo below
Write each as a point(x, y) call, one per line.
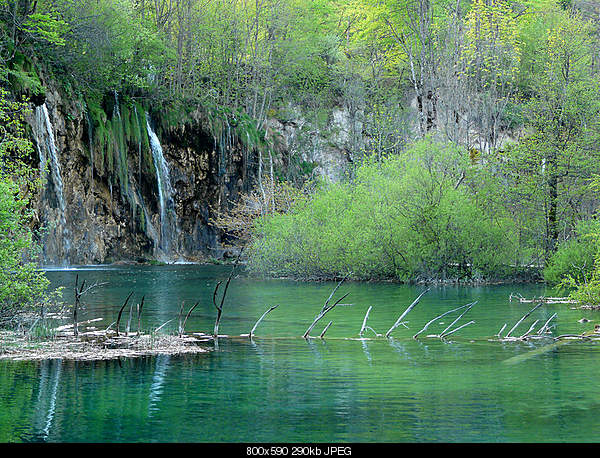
point(325, 330)
point(542, 333)
point(79, 293)
point(140, 314)
point(410, 307)
point(182, 329)
point(447, 332)
point(522, 319)
point(326, 308)
point(220, 306)
point(437, 318)
point(261, 318)
point(121, 311)
point(364, 323)
point(321, 314)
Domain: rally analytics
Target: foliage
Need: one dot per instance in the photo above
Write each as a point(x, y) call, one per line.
point(575, 257)
point(408, 217)
point(22, 285)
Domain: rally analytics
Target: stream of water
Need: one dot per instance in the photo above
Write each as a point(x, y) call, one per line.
point(279, 387)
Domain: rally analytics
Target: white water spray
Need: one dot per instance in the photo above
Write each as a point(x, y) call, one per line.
point(168, 222)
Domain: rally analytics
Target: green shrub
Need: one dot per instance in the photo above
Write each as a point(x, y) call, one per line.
point(409, 217)
point(574, 257)
point(22, 285)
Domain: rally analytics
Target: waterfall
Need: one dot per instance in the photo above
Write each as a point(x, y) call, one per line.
point(48, 152)
point(168, 220)
point(90, 129)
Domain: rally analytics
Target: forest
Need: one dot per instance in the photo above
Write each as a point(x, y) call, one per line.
point(472, 147)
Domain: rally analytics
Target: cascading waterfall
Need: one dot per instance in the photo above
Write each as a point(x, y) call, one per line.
point(48, 153)
point(91, 147)
point(168, 218)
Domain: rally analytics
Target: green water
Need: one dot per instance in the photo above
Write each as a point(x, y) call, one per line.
point(281, 388)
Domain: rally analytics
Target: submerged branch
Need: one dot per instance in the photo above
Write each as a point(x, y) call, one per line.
point(121, 311)
point(410, 307)
point(261, 318)
point(523, 318)
point(437, 318)
point(364, 323)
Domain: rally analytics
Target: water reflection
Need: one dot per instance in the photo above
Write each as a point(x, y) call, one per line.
point(45, 407)
point(158, 380)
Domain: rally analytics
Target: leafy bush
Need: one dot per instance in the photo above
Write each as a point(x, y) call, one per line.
point(22, 285)
point(574, 257)
point(410, 217)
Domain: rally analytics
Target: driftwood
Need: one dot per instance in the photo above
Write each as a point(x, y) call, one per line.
point(438, 317)
point(326, 308)
point(121, 311)
point(545, 300)
point(364, 323)
point(261, 318)
point(523, 318)
point(410, 307)
point(325, 330)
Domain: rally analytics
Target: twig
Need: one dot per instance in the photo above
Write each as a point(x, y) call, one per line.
point(443, 333)
point(364, 323)
point(325, 330)
point(410, 307)
point(121, 311)
point(261, 318)
point(437, 318)
point(523, 318)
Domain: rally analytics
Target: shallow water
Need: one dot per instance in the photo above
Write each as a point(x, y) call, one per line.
point(281, 388)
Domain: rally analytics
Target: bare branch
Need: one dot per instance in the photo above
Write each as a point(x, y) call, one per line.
point(410, 307)
point(261, 318)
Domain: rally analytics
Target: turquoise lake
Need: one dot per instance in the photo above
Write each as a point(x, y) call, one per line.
point(279, 387)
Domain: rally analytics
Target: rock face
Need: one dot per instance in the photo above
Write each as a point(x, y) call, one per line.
point(120, 186)
point(87, 214)
point(328, 145)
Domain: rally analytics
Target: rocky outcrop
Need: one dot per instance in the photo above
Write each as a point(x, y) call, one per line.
point(327, 145)
point(120, 185)
point(113, 213)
